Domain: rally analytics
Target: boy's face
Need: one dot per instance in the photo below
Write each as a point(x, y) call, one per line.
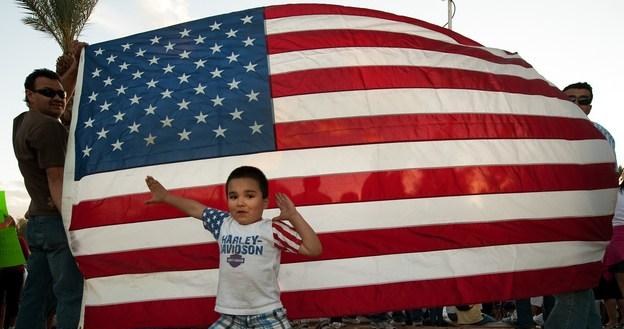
point(245, 201)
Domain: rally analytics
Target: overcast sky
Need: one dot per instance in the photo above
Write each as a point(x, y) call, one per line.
point(565, 40)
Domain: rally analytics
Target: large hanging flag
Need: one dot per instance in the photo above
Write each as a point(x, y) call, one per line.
point(436, 171)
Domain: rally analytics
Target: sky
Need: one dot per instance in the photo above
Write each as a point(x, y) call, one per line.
point(566, 41)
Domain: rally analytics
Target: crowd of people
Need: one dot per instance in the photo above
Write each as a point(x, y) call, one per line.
point(248, 297)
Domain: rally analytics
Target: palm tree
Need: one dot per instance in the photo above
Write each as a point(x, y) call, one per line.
point(61, 19)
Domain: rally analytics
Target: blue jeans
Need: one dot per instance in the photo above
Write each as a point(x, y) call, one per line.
point(574, 310)
point(525, 315)
point(51, 267)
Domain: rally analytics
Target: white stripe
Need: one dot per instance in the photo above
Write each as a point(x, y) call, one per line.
point(331, 22)
point(372, 56)
point(359, 158)
point(419, 100)
point(359, 271)
point(285, 241)
point(362, 216)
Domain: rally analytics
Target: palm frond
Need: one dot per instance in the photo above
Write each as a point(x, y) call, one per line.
point(62, 19)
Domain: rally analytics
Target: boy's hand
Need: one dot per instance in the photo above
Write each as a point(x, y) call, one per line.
point(159, 192)
point(287, 207)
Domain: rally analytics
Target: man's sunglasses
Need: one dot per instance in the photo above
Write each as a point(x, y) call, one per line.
point(48, 92)
point(581, 100)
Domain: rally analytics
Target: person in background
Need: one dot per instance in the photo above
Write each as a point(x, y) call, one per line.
point(577, 309)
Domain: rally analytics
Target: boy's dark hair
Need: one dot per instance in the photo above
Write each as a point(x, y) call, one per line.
point(29, 83)
point(253, 173)
point(581, 85)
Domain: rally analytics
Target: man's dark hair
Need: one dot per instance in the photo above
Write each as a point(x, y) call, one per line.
point(29, 83)
point(253, 173)
point(581, 85)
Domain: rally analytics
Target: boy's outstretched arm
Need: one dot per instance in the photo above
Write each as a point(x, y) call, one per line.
point(160, 194)
point(310, 245)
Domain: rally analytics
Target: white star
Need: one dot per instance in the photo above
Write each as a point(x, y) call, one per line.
point(253, 96)
point(184, 54)
point(199, 63)
point(111, 58)
point(126, 46)
point(89, 123)
point(135, 99)
point(137, 75)
point(96, 73)
point(250, 67)
point(150, 140)
point(217, 101)
point(249, 41)
point(168, 68)
point(108, 81)
point(166, 93)
point(184, 33)
point(105, 106)
point(123, 66)
point(93, 97)
point(216, 48)
point(201, 117)
point(246, 19)
point(184, 135)
point(199, 39)
point(256, 128)
point(233, 57)
point(183, 78)
point(219, 132)
point(167, 122)
point(234, 84)
point(236, 114)
point(155, 39)
point(183, 104)
point(119, 116)
point(134, 128)
point(86, 152)
point(102, 134)
point(151, 84)
point(199, 89)
point(117, 145)
point(121, 90)
point(98, 52)
point(154, 60)
point(215, 26)
point(231, 33)
point(169, 46)
point(216, 73)
point(150, 110)
point(140, 53)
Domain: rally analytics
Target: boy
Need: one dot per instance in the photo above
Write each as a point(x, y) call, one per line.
point(250, 246)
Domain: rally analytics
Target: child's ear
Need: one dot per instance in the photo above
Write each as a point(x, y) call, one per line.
point(265, 202)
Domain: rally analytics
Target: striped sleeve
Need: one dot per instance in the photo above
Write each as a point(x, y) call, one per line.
point(212, 219)
point(285, 237)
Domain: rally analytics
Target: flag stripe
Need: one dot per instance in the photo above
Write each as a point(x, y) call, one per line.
point(353, 159)
point(191, 312)
point(305, 40)
point(288, 18)
point(379, 77)
point(398, 128)
point(326, 274)
point(417, 183)
point(418, 101)
point(345, 245)
point(483, 208)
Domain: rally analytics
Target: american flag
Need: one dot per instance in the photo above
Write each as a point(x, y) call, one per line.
point(435, 170)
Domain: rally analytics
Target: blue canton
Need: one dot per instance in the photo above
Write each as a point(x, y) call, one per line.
point(190, 91)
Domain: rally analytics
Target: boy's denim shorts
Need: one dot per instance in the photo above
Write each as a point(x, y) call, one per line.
point(275, 319)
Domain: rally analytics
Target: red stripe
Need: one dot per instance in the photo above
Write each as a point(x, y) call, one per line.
point(429, 127)
point(316, 81)
point(197, 312)
point(353, 244)
point(281, 11)
point(363, 186)
point(307, 40)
